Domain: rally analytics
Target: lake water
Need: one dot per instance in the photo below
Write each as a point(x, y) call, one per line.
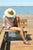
point(20, 10)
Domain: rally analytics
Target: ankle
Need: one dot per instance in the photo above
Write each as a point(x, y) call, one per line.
point(24, 40)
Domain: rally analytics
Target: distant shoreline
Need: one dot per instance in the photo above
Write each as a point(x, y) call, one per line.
point(16, 6)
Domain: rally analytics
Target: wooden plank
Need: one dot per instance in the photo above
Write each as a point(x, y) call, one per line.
point(30, 16)
point(1, 20)
point(14, 31)
point(25, 29)
point(20, 46)
point(5, 46)
point(1, 37)
point(23, 20)
point(1, 25)
point(6, 35)
point(22, 25)
point(8, 30)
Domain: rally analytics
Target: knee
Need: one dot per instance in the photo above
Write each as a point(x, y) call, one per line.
point(20, 29)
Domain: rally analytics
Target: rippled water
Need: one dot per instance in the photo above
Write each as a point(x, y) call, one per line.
point(19, 10)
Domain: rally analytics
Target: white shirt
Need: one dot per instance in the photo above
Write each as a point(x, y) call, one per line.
point(8, 21)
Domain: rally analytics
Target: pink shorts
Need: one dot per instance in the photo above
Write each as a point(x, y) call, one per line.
point(9, 28)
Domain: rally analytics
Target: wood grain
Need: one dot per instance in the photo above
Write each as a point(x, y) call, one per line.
point(1, 37)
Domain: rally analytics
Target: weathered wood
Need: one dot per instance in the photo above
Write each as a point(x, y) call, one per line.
point(26, 16)
point(1, 37)
point(9, 31)
point(25, 29)
point(18, 45)
point(3, 45)
point(1, 25)
point(23, 25)
point(23, 20)
point(5, 48)
point(6, 33)
point(1, 20)
point(29, 30)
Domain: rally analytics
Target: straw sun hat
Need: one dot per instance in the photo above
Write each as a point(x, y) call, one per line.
point(10, 12)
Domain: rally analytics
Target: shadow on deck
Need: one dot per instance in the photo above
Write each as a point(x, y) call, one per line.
point(15, 43)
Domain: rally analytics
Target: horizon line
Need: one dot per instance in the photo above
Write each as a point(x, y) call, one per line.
point(6, 6)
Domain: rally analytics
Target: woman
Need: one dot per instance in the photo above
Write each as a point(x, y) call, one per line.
point(10, 19)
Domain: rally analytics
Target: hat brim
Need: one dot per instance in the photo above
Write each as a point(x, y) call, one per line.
point(9, 15)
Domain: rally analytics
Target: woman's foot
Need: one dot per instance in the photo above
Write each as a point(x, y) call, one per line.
point(28, 43)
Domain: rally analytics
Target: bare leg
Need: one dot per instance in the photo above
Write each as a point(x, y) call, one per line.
point(21, 32)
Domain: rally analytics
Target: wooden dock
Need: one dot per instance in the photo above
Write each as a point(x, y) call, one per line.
point(18, 44)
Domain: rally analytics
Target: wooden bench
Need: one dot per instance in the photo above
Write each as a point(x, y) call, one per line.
point(2, 38)
point(23, 24)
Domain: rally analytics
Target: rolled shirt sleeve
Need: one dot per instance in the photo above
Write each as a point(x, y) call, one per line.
point(4, 20)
